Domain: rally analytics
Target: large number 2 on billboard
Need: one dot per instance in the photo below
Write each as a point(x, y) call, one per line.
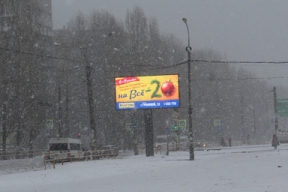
point(156, 90)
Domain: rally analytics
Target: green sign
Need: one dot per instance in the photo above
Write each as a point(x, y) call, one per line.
point(282, 107)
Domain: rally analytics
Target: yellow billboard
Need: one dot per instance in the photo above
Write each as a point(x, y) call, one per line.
point(142, 92)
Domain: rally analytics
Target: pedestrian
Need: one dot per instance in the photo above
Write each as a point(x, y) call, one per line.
point(275, 142)
point(223, 143)
point(230, 142)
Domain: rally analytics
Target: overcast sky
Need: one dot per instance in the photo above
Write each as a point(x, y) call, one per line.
point(245, 30)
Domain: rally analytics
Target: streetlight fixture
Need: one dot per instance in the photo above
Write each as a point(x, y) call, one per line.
point(189, 50)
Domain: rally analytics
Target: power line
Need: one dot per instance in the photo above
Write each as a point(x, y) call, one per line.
point(37, 83)
point(111, 84)
point(216, 62)
point(150, 67)
point(241, 62)
point(38, 55)
point(239, 79)
point(195, 60)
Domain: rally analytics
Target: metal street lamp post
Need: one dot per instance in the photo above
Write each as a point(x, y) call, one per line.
point(189, 49)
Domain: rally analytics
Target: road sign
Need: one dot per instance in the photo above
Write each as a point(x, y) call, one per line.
point(128, 126)
point(168, 130)
point(175, 114)
point(217, 122)
point(49, 123)
point(182, 123)
point(282, 107)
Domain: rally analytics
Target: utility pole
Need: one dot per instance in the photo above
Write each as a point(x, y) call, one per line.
point(60, 134)
point(4, 129)
point(275, 108)
point(66, 130)
point(242, 120)
point(90, 97)
point(254, 115)
point(267, 116)
point(189, 49)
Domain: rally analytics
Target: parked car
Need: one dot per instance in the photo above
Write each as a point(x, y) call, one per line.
point(109, 151)
point(200, 145)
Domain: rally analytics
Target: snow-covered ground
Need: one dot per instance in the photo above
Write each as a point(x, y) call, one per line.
point(253, 168)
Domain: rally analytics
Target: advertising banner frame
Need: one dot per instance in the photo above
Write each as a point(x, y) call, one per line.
point(147, 92)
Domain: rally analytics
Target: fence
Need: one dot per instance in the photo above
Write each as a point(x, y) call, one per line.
point(15, 154)
point(87, 155)
point(161, 148)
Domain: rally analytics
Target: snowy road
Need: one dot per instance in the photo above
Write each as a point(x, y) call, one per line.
point(256, 168)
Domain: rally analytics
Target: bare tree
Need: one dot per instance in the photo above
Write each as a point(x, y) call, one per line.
point(22, 42)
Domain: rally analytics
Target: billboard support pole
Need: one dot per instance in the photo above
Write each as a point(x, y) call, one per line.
point(149, 132)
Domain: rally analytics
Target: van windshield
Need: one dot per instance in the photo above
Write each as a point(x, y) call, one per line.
point(58, 146)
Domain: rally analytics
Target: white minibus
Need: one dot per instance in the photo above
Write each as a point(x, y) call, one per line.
point(65, 148)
